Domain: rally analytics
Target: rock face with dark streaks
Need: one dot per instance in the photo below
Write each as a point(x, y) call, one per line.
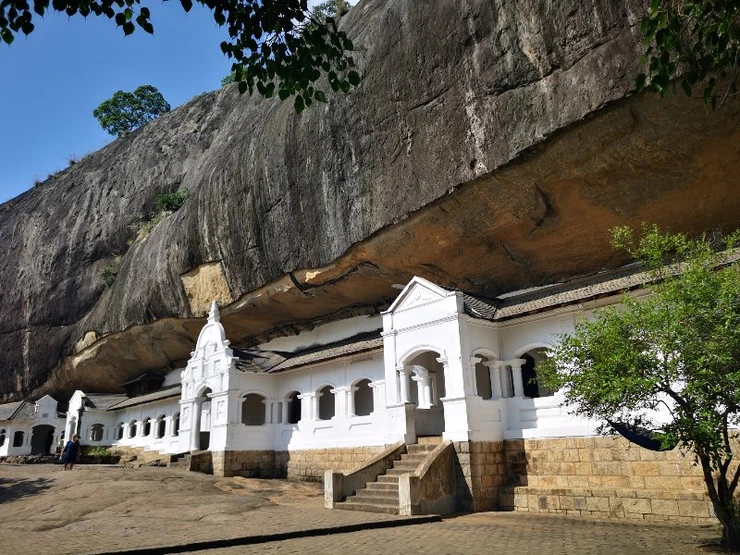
point(490, 146)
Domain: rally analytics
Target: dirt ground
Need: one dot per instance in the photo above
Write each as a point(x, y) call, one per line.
point(97, 509)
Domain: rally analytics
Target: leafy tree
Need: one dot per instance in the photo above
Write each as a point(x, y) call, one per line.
point(126, 111)
point(277, 46)
point(677, 348)
point(696, 41)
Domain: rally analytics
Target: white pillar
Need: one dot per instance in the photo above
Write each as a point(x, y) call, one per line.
point(516, 374)
point(342, 401)
point(424, 392)
point(403, 380)
point(494, 371)
point(378, 388)
point(195, 424)
point(307, 408)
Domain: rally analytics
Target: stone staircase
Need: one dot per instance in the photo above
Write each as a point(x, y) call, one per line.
point(381, 496)
point(181, 460)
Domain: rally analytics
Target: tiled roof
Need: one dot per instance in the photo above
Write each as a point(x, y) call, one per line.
point(165, 393)
point(9, 411)
point(578, 290)
point(255, 360)
point(331, 351)
point(103, 401)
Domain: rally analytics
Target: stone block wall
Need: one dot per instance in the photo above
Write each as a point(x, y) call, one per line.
point(603, 476)
point(310, 464)
point(480, 472)
point(250, 464)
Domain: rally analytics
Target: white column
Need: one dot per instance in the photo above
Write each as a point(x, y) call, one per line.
point(195, 423)
point(403, 380)
point(378, 388)
point(516, 374)
point(494, 371)
point(307, 408)
point(424, 390)
point(341, 401)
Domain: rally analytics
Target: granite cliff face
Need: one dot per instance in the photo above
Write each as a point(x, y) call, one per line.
point(490, 146)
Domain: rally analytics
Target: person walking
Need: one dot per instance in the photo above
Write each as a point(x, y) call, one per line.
point(71, 452)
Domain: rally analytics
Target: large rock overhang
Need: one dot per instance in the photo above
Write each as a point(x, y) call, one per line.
point(490, 146)
point(542, 218)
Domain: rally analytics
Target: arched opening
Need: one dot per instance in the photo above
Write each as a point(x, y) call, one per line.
point(42, 438)
point(176, 425)
point(161, 426)
point(363, 398)
point(96, 432)
point(293, 403)
point(2, 437)
point(254, 410)
point(119, 431)
point(483, 378)
point(203, 420)
point(147, 423)
point(532, 388)
point(18, 439)
point(132, 429)
point(326, 403)
point(426, 388)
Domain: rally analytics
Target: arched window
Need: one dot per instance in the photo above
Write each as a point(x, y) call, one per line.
point(533, 388)
point(96, 432)
point(253, 409)
point(294, 407)
point(2, 437)
point(119, 430)
point(363, 397)
point(161, 426)
point(132, 429)
point(176, 425)
point(147, 426)
point(18, 439)
point(326, 403)
point(483, 378)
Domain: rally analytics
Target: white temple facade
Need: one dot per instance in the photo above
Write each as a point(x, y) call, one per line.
point(438, 373)
point(436, 363)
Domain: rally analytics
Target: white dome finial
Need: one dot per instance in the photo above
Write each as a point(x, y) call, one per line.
point(213, 315)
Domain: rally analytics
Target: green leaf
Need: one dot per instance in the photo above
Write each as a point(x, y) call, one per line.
point(299, 104)
point(187, 4)
point(354, 78)
point(320, 96)
point(128, 28)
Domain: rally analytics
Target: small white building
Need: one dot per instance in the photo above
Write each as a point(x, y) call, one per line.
point(28, 428)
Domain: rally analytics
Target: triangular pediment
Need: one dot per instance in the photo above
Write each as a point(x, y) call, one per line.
point(417, 292)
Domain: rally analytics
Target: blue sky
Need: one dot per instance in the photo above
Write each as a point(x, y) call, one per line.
point(53, 79)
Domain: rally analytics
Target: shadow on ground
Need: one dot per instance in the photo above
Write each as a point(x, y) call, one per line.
point(10, 490)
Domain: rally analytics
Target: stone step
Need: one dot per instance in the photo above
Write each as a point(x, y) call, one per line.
point(417, 449)
point(378, 497)
point(372, 500)
point(429, 440)
point(396, 472)
point(385, 479)
point(417, 457)
point(406, 466)
point(366, 507)
point(384, 486)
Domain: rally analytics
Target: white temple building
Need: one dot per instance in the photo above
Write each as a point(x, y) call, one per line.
point(441, 382)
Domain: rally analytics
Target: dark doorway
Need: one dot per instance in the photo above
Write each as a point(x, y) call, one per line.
point(42, 438)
